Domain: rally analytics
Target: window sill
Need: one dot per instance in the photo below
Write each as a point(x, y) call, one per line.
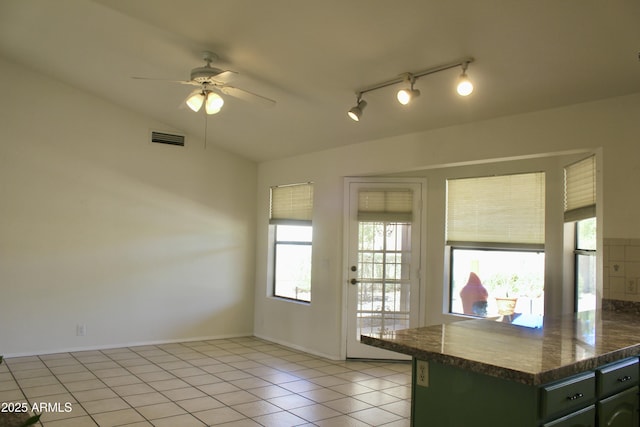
point(291, 300)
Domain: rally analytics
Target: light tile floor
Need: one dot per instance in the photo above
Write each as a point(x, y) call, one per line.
point(231, 382)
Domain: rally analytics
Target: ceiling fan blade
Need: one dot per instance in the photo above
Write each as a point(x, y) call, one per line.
point(245, 95)
point(184, 82)
point(224, 77)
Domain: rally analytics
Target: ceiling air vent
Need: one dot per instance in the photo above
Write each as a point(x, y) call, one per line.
point(167, 138)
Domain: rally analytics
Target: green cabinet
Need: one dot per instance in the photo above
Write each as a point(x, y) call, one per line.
point(583, 418)
point(566, 396)
point(617, 376)
point(456, 397)
point(619, 410)
point(450, 396)
point(618, 403)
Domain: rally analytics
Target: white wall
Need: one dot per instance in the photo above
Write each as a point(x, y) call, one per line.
point(607, 126)
point(139, 242)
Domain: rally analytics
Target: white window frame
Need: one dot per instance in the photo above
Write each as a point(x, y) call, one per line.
point(290, 205)
point(580, 204)
point(280, 293)
point(579, 252)
point(474, 236)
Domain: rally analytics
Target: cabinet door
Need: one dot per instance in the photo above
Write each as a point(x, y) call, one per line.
point(619, 410)
point(583, 418)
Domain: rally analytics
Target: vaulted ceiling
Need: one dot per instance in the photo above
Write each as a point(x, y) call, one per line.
point(312, 56)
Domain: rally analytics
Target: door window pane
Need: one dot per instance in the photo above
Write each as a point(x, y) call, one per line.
point(383, 268)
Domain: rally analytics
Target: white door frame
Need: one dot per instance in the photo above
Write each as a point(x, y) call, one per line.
point(345, 245)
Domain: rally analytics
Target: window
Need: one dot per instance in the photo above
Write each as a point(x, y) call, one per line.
point(585, 259)
point(513, 281)
point(495, 235)
point(292, 251)
point(290, 219)
point(580, 208)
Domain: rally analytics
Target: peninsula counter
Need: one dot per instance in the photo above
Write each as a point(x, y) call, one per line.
point(483, 372)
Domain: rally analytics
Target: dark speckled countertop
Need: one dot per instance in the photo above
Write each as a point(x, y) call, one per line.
point(564, 346)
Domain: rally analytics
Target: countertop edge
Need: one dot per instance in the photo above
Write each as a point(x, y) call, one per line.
point(528, 378)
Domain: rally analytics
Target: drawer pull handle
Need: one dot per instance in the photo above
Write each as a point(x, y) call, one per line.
point(575, 396)
point(624, 379)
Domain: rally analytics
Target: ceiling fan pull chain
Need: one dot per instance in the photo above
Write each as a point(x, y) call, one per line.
point(206, 122)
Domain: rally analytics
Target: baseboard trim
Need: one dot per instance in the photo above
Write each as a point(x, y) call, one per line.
point(297, 347)
point(124, 345)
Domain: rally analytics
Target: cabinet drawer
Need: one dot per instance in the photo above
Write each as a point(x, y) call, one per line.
point(583, 418)
point(568, 395)
point(617, 377)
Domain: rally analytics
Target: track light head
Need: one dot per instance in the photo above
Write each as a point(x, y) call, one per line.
point(356, 112)
point(464, 87)
point(405, 95)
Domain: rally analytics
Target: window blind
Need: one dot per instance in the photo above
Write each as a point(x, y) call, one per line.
point(291, 204)
point(498, 209)
point(580, 190)
point(392, 205)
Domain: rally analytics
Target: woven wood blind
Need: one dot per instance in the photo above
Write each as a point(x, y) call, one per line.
point(292, 204)
point(580, 190)
point(498, 209)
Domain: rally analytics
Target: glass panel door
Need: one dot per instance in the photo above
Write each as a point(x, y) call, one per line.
point(384, 285)
point(383, 269)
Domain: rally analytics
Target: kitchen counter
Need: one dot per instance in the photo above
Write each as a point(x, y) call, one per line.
point(563, 346)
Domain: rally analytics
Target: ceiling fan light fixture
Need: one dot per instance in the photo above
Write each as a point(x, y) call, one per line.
point(213, 103)
point(195, 100)
point(356, 112)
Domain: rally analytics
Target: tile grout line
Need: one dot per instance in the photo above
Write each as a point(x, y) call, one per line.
point(20, 386)
point(227, 353)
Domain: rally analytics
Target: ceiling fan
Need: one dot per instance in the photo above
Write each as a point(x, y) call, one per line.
point(210, 80)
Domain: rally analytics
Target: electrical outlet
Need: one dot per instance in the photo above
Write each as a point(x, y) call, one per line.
point(422, 373)
point(81, 330)
point(632, 286)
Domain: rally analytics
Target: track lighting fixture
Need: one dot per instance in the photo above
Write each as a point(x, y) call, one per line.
point(211, 100)
point(356, 112)
point(406, 94)
point(465, 87)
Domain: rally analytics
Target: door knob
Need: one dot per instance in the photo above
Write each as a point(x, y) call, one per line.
point(354, 281)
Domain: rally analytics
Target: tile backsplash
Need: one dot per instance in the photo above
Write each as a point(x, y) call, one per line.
point(621, 275)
